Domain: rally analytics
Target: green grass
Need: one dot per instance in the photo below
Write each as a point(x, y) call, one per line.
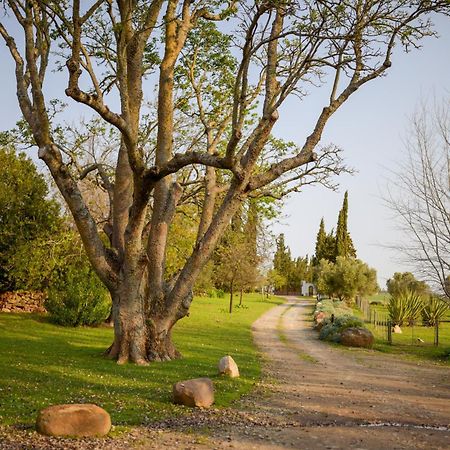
point(406, 344)
point(44, 364)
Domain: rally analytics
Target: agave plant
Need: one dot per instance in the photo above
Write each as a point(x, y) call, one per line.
point(434, 309)
point(404, 307)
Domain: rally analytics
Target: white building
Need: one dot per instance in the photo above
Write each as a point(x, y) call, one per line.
point(308, 289)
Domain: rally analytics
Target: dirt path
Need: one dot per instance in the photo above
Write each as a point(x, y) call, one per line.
point(313, 396)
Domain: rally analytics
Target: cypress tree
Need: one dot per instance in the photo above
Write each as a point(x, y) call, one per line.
point(320, 243)
point(344, 243)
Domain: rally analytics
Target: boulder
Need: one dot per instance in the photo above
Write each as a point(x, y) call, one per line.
point(319, 317)
point(78, 420)
point(227, 366)
point(357, 337)
point(197, 392)
point(397, 329)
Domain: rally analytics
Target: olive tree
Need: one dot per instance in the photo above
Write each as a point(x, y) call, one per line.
point(213, 115)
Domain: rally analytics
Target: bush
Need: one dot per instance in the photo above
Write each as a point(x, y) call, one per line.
point(331, 331)
point(330, 307)
point(404, 307)
point(434, 309)
point(78, 298)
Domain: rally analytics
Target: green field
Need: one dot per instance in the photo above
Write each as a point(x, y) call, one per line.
point(43, 364)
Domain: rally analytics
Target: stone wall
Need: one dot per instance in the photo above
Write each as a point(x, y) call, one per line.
point(22, 301)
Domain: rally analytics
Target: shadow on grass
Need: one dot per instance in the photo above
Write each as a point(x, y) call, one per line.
point(44, 364)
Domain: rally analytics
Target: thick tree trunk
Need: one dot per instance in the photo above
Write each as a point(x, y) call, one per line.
point(142, 334)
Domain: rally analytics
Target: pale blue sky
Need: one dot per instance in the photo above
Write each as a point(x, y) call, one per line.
point(370, 129)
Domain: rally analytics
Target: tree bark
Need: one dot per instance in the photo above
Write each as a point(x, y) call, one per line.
point(231, 297)
point(141, 334)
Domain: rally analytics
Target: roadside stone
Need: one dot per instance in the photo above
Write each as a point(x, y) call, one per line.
point(198, 392)
point(397, 329)
point(320, 317)
point(79, 420)
point(228, 366)
point(357, 337)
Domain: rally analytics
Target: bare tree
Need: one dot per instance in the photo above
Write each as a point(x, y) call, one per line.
point(420, 196)
point(276, 49)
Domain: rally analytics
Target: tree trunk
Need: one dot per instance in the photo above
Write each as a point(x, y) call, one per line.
point(240, 296)
point(141, 335)
point(231, 297)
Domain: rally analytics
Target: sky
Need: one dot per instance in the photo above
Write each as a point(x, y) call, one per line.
point(370, 128)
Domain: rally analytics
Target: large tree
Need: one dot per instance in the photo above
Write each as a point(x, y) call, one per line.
point(213, 119)
point(421, 198)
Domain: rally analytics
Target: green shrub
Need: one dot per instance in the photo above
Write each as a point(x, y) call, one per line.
point(220, 293)
point(330, 307)
point(434, 309)
point(77, 298)
point(331, 331)
point(404, 307)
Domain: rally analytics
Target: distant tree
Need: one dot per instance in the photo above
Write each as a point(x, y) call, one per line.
point(344, 243)
point(276, 280)
point(346, 278)
point(26, 212)
point(406, 281)
point(282, 260)
point(321, 243)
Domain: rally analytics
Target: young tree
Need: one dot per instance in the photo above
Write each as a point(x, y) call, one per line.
point(276, 49)
point(422, 198)
point(344, 243)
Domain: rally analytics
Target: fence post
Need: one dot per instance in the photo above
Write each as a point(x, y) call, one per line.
point(436, 333)
point(389, 330)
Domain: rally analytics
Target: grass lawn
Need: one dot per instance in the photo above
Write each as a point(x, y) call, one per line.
point(43, 364)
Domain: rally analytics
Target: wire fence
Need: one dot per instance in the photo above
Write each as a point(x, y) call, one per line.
point(383, 328)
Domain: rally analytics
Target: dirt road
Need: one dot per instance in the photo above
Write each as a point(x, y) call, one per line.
point(314, 396)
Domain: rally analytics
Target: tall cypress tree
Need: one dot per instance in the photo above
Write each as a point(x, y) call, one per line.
point(344, 243)
point(321, 243)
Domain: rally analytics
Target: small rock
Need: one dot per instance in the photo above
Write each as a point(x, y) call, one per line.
point(80, 420)
point(197, 392)
point(227, 366)
point(357, 337)
point(397, 329)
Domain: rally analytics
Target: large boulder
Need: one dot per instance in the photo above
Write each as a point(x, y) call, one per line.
point(79, 420)
point(227, 366)
point(197, 392)
point(357, 337)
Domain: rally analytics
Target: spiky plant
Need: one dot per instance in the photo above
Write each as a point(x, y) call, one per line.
point(433, 311)
point(404, 307)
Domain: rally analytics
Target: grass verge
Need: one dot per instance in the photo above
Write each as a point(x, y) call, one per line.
point(44, 364)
